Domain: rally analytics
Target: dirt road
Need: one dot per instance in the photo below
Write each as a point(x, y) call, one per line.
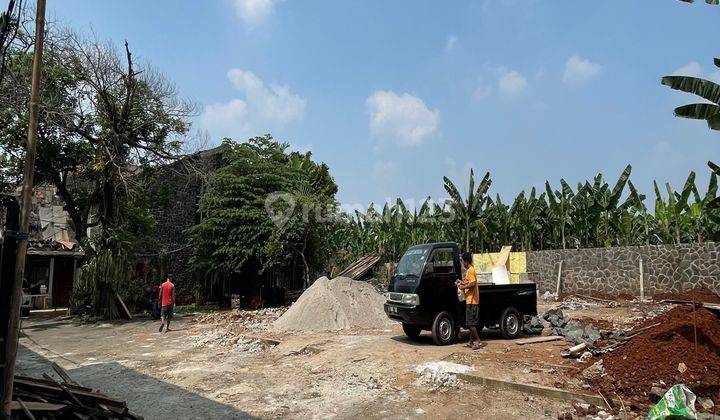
point(186, 373)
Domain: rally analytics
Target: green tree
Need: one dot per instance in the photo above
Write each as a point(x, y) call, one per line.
point(103, 120)
point(306, 230)
point(260, 209)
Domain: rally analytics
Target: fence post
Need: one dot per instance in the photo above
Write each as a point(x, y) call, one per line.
point(559, 278)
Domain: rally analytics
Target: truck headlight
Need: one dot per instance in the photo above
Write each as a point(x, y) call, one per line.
point(411, 299)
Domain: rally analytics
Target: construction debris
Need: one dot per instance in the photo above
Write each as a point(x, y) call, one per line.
point(439, 376)
point(360, 267)
point(572, 330)
point(47, 398)
point(345, 303)
point(238, 320)
point(533, 325)
point(534, 340)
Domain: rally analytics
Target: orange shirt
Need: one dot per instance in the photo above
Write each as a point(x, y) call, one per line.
point(471, 293)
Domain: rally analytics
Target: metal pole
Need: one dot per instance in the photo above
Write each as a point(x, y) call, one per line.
point(26, 202)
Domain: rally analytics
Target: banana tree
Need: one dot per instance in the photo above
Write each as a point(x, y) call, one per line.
point(636, 202)
point(710, 91)
point(468, 210)
point(706, 1)
point(560, 207)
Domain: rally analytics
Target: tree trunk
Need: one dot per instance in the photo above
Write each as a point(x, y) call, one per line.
point(467, 234)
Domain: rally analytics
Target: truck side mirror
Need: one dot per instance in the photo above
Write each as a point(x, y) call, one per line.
point(429, 268)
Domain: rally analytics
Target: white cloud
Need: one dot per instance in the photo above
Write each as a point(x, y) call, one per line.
point(382, 170)
point(512, 83)
point(404, 118)
point(254, 12)
point(578, 70)
point(262, 110)
point(450, 43)
point(482, 92)
point(692, 68)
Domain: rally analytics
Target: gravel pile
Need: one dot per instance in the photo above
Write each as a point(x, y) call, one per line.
point(338, 304)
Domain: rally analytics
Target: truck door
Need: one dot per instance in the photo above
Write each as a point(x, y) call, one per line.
point(443, 279)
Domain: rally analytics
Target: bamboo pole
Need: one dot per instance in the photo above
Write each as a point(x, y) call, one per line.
point(11, 343)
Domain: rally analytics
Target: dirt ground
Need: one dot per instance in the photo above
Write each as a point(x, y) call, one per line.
point(191, 373)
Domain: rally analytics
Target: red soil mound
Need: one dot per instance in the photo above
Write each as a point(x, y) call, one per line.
point(698, 295)
point(655, 355)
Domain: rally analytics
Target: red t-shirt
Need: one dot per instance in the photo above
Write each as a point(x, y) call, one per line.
point(167, 293)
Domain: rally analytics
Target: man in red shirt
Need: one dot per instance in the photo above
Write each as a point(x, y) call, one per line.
point(167, 300)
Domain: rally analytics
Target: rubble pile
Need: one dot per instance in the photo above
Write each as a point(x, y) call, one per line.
point(238, 319)
point(665, 355)
point(572, 330)
point(337, 304)
point(229, 339)
point(439, 376)
point(533, 325)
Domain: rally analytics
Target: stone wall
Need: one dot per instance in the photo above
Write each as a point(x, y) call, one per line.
point(174, 198)
point(616, 271)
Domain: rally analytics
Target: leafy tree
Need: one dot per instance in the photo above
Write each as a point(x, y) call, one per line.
point(259, 179)
point(307, 227)
point(103, 119)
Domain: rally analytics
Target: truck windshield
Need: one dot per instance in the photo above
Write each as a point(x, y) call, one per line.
point(412, 262)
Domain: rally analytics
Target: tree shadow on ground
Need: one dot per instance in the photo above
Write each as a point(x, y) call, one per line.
point(145, 395)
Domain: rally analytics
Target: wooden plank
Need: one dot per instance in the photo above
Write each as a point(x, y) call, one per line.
point(85, 395)
point(37, 406)
point(50, 383)
point(689, 302)
point(25, 409)
point(594, 298)
point(63, 374)
point(65, 390)
point(503, 257)
point(358, 268)
point(539, 390)
point(122, 305)
point(534, 340)
point(639, 330)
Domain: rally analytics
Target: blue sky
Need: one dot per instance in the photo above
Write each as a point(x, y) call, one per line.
point(394, 95)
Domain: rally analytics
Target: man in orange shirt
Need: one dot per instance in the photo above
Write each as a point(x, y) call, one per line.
point(472, 301)
point(167, 300)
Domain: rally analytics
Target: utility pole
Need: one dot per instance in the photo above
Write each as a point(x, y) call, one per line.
point(11, 344)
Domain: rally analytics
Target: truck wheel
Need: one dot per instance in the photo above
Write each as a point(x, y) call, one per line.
point(510, 323)
point(412, 331)
point(443, 329)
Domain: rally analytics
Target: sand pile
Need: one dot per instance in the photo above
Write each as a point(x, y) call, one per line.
point(337, 304)
point(667, 353)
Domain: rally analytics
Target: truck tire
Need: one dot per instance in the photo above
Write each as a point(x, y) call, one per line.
point(443, 329)
point(510, 323)
point(412, 331)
